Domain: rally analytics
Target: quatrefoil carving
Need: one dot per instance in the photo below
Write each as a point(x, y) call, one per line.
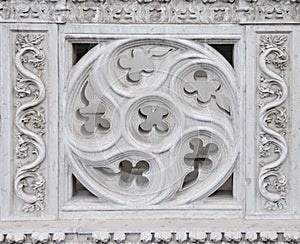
point(131, 173)
point(93, 112)
point(205, 89)
point(138, 62)
point(154, 117)
point(202, 87)
point(199, 158)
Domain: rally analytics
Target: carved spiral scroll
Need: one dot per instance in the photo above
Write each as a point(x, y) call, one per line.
point(269, 175)
point(29, 183)
point(172, 112)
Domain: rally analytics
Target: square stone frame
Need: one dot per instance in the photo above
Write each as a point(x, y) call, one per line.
point(10, 205)
point(223, 34)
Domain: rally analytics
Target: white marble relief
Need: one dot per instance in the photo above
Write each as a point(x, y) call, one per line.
point(130, 143)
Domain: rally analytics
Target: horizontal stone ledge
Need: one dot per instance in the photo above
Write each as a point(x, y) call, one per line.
point(88, 226)
point(152, 237)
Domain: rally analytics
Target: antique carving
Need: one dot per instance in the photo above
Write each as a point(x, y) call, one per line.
point(120, 11)
point(156, 237)
point(40, 237)
point(59, 237)
point(101, 237)
point(150, 11)
point(206, 89)
point(134, 174)
point(273, 147)
point(156, 95)
point(268, 11)
point(215, 237)
point(199, 157)
point(195, 237)
point(15, 237)
point(233, 237)
point(268, 236)
point(30, 121)
point(251, 237)
point(154, 117)
point(93, 113)
point(139, 62)
point(291, 236)
point(150, 134)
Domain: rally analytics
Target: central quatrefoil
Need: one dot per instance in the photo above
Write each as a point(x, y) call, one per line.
point(154, 118)
point(151, 121)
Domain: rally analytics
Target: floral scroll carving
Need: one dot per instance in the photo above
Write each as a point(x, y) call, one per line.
point(149, 11)
point(120, 11)
point(273, 92)
point(30, 121)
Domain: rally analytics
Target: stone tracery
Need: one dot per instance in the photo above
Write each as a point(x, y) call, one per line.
point(151, 122)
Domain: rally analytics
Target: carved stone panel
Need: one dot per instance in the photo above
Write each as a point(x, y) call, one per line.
point(150, 11)
point(272, 119)
point(28, 139)
point(273, 93)
point(268, 11)
point(141, 125)
point(152, 122)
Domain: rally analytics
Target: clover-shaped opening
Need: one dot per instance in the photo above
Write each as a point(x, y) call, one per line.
point(199, 159)
point(93, 113)
point(130, 173)
point(154, 117)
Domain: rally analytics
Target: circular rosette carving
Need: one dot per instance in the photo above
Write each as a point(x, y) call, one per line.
point(182, 138)
point(129, 177)
point(152, 122)
point(205, 157)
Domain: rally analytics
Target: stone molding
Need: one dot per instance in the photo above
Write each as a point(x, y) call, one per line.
point(152, 237)
point(150, 11)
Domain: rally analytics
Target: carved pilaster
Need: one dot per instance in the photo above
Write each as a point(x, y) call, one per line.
point(30, 121)
point(273, 93)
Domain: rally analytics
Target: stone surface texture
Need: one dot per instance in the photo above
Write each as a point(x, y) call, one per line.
point(149, 121)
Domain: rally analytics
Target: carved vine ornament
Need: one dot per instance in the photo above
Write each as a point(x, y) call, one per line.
point(273, 147)
point(30, 121)
point(152, 121)
point(154, 109)
point(150, 11)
